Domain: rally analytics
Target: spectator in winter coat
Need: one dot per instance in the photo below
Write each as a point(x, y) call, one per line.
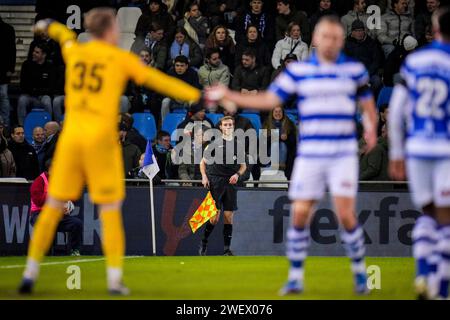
point(396, 23)
point(156, 12)
point(286, 15)
point(249, 78)
point(196, 25)
point(363, 48)
point(27, 165)
point(255, 15)
point(253, 42)
point(358, 13)
point(213, 70)
point(291, 44)
point(183, 45)
point(7, 164)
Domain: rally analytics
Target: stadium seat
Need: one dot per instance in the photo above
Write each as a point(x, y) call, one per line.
point(250, 111)
point(384, 96)
point(126, 41)
point(84, 37)
point(145, 124)
point(127, 17)
point(36, 118)
point(271, 174)
point(254, 119)
point(171, 122)
point(214, 117)
point(179, 110)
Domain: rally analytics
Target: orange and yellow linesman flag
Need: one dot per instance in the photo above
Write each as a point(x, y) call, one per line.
point(205, 211)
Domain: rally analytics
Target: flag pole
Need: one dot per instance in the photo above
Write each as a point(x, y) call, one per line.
point(152, 211)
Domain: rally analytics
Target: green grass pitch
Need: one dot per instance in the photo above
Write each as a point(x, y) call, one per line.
point(199, 278)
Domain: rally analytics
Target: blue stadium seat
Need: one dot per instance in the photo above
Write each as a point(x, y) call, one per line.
point(171, 122)
point(145, 124)
point(250, 111)
point(36, 118)
point(254, 119)
point(179, 110)
point(384, 96)
point(214, 117)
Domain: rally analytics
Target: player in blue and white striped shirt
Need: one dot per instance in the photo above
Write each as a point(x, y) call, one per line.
point(422, 101)
point(328, 87)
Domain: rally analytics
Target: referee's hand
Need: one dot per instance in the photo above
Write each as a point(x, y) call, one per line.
point(234, 178)
point(205, 181)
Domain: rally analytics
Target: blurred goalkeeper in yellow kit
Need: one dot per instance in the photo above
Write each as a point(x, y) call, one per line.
point(96, 75)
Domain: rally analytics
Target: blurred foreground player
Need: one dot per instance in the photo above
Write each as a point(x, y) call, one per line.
point(328, 86)
point(422, 101)
point(96, 75)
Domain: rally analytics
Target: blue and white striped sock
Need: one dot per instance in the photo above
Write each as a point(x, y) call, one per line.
point(424, 237)
point(355, 249)
point(296, 251)
point(443, 272)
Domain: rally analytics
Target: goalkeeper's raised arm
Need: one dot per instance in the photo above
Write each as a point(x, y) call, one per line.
point(55, 30)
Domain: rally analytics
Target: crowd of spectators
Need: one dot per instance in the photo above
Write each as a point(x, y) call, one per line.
point(241, 44)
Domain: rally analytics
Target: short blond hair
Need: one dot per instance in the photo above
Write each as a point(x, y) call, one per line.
point(98, 20)
point(225, 119)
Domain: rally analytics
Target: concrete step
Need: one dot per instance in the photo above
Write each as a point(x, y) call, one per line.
point(24, 34)
point(23, 27)
point(20, 54)
point(24, 41)
point(19, 62)
point(18, 15)
point(18, 21)
point(21, 47)
point(18, 8)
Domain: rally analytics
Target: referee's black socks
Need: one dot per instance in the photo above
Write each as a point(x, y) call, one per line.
point(208, 230)
point(227, 234)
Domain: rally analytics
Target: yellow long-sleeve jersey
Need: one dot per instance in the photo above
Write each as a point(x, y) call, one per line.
point(96, 76)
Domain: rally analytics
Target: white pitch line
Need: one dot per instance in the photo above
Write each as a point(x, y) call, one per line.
point(64, 262)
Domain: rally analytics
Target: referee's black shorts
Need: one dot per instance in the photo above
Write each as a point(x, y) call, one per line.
point(223, 193)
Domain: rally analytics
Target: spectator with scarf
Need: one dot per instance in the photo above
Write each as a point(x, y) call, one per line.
point(256, 16)
point(183, 45)
point(253, 42)
point(195, 24)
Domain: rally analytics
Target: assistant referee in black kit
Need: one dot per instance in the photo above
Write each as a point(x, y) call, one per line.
point(223, 164)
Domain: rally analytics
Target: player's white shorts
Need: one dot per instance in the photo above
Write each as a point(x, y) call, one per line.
point(429, 181)
point(311, 176)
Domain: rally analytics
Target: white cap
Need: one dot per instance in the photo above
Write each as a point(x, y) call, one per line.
point(410, 43)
